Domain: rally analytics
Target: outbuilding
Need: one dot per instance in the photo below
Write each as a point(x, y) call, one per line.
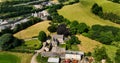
point(53, 60)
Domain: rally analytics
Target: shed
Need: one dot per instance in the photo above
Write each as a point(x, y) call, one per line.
point(53, 60)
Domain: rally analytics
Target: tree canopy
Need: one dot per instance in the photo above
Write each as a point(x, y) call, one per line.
point(42, 36)
point(7, 41)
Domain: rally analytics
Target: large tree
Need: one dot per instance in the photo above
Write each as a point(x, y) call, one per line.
point(52, 28)
point(42, 36)
point(63, 30)
point(82, 27)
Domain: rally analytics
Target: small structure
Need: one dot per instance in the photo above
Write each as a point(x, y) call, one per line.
point(103, 61)
point(46, 49)
point(53, 60)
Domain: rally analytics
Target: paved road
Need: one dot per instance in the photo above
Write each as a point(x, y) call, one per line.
point(33, 60)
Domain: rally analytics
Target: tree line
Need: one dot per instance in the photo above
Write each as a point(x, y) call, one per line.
point(97, 10)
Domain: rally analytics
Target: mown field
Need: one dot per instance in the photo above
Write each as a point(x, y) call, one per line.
point(82, 13)
point(107, 6)
point(12, 57)
point(88, 45)
point(33, 30)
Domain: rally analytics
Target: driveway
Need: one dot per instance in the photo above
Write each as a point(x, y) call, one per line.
point(33, 60)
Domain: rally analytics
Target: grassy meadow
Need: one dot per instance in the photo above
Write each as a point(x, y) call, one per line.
point(82, 13)
point(33, 30)
point(12, 57)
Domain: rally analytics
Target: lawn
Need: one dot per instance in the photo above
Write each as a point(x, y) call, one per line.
point(33, 44)
point(29, 46)
point(12, 57)
point(88, 45)
point(33, 30)
point(82, 13)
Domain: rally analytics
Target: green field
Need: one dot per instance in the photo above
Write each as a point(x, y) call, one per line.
point(13, 57)
point(8, 58)
point(82, 13)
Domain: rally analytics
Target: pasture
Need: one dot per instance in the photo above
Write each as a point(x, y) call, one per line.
point(82, 13)
point(33, 30)
point(88, 45)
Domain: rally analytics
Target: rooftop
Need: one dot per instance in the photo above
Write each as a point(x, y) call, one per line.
point(53, 60)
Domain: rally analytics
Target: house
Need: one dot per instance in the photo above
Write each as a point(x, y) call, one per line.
point(43, 14)
point(38, 6)
point(53, 60)
point(4, 22)
point(59, 39)
point(76, 55)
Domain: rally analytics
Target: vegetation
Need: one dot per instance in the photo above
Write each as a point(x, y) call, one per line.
point(28, 46)
point(82, 12)
point(116, 1)
point(33, 44)
point(100, 53)
point(33, 30)
point(97, 10)
point(62, 29)
point(42, 36)
point(117, 57)
point(72, 42)
point(104, 34)
point(14, 57)
point(32, 20)
point(9, 58)
point(52, 28)
point(41, 59)
point(8, 42)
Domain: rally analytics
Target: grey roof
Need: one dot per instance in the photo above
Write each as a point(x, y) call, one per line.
point(58, 50)
point(75, 52)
